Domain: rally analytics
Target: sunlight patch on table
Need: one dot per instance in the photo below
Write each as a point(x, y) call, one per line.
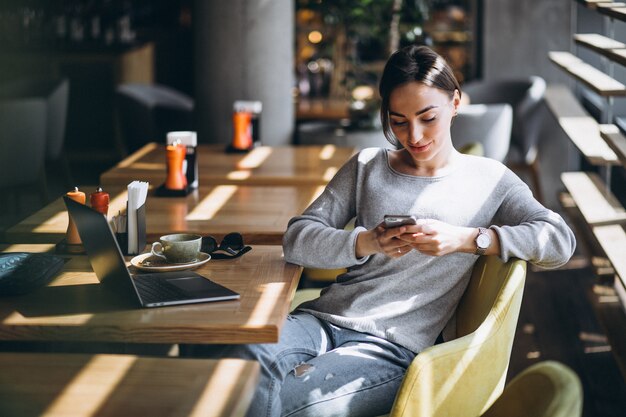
point(255, 158)
point(327, 152)
point(330, 173)
point(238, 175)
point(92, 386)
point(225, 379)
point(28, 247)
point(137, 155)
point(118, 203)
point(212, 203)
point(318, 191)
point(269, 298)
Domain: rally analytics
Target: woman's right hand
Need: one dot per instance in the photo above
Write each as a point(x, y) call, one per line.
point(382, 240)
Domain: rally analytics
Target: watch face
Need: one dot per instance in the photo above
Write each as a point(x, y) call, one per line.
point(483, 241)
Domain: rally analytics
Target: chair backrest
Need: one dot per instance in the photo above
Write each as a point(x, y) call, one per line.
point(464, 376)
point(487, 124)
point(146, 112)
point(22, 140)
point(525, 96)
point(545, 389)
point(55, 91)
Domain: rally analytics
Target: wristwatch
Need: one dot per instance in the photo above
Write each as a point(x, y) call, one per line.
point(483, 240)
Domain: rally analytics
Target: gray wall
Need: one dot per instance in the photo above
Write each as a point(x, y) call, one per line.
point(244, 51)
point(517, 36)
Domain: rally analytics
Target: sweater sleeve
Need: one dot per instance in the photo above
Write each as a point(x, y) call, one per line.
point(528, 230)
point(317, 237)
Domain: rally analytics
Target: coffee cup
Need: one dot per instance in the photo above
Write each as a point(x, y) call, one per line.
point(178, 248)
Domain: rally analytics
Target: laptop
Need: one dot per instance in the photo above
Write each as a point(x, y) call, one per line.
point(151, 290)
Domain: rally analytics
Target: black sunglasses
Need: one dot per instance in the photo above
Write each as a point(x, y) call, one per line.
point(231, 246)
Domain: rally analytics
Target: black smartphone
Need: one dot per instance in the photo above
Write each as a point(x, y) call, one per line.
point(395, 220)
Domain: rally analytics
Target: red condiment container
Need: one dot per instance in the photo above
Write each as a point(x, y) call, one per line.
point(99, 201)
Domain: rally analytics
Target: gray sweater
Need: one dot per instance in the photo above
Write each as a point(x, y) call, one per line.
point(410, 299)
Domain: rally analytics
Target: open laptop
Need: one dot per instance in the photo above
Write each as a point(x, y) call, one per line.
point(151, 290)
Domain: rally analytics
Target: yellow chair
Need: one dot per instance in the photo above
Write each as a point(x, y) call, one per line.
point(546, 389)
point(473, 148)
point(464, 376)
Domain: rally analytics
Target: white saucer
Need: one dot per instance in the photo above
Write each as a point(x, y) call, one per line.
point(149, 262)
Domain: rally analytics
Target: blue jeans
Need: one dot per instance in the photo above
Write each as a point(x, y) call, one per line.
point(319, 369)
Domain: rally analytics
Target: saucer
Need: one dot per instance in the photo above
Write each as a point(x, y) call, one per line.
point(149, 262)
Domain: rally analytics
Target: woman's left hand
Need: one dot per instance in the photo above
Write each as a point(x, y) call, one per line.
point(436, 238)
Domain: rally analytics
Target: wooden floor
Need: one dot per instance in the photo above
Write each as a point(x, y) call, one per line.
point(557, 322)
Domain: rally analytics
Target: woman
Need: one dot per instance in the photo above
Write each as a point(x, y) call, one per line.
point(346, 352)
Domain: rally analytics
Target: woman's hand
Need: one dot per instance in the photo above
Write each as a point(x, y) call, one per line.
point(382, 240)
point(436, 238)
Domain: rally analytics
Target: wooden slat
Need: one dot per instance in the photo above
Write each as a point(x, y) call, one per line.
point(593, 78)
point(618, 13)
point(585, 134)
point(610, 5)
point(607, 47)
point(562, 102)
point(597, 42)
point(612, 239)
point(581, 128)
point(591, 3)
point(616, 141)
point(60, 385)
point(597, 205)
point(617, 55)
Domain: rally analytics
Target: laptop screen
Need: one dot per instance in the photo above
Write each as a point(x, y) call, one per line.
point(102, 248)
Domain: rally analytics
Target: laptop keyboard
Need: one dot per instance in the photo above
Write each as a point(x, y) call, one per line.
point(155, 290)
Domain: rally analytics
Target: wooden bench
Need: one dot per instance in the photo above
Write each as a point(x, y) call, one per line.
point(124, 385)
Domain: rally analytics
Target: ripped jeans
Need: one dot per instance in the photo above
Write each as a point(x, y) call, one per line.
point(319, 369)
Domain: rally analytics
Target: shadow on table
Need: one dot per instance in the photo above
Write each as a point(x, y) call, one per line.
point(70, 300)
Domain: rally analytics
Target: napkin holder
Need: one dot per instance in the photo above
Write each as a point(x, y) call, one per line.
point(140, 230)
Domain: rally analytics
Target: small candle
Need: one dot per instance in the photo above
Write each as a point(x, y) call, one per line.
point(71, 236)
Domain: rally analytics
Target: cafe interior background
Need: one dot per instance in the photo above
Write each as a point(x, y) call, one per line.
point(295, 56)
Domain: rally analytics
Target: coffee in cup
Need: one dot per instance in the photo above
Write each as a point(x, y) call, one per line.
point(178, 248)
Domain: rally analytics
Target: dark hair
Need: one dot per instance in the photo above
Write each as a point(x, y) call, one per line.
point(413, 63)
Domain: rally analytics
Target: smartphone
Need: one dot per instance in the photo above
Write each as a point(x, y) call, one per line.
point(393, 220)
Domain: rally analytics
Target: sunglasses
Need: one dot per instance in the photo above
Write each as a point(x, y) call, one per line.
point(230, 247)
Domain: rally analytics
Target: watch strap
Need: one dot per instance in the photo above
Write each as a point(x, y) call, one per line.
point(481, 250)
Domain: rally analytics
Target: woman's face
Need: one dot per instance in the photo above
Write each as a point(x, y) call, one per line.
point(420, 118)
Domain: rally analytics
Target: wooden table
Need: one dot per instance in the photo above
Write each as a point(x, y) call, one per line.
point(260, 213)
point(281, 165)
point(62, 385)
point(75, 308)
